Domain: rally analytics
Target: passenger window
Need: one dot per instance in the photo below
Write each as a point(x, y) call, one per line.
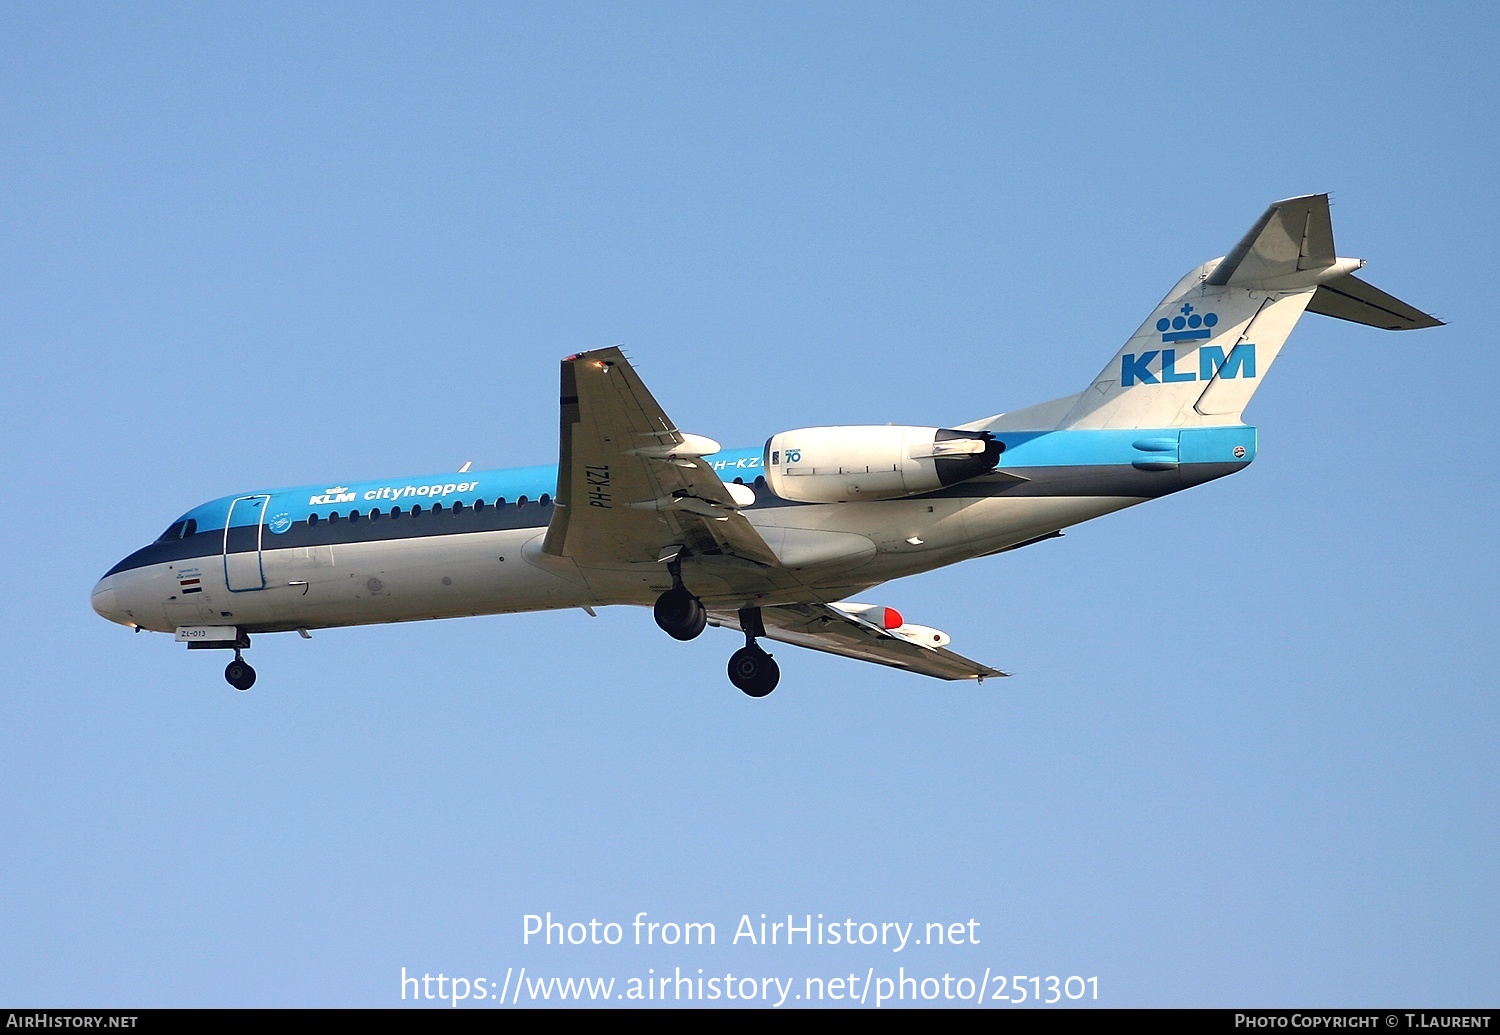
point(333, 517)
point(500, 503)
point(375, 514)
point(458, 507)
point(545, 499)
point(478, 505)
point(521, 501)
point(437, 508)
point(395, 513)
point(312, 519)
point(416, 510)
point(353, 515)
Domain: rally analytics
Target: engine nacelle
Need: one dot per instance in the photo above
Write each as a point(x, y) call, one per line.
point(839, 465)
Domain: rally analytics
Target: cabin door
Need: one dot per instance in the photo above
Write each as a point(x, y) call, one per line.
point(243, 569)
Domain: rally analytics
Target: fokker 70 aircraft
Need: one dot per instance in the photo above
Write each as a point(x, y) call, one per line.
point(772, 541)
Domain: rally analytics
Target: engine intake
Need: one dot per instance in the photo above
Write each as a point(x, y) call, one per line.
point(844, 464)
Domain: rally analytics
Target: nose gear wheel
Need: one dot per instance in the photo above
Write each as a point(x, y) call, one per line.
point(239, 674)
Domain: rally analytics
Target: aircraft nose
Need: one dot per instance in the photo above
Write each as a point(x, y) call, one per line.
point(103, 599)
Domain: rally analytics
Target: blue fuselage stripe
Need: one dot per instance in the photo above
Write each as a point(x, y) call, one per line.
point(1070, 448)
point(1042, 456)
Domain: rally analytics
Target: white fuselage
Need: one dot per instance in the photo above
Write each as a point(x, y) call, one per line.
point(836, 549)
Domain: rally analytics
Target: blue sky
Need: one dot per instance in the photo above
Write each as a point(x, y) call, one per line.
point(1248, 755)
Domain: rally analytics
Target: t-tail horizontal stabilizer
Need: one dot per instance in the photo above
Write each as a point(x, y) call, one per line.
point(1349, 298)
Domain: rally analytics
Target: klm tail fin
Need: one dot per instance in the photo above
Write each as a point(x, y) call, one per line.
point(1200, 355)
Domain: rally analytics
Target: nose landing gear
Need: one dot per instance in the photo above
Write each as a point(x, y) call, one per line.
point(751, 669)
point(239, 673)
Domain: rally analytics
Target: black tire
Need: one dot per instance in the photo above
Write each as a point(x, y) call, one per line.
point(680, 614)
point(754, 671)
point(239, 674)
point(699, 623)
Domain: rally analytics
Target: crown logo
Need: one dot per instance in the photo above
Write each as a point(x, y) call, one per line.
point(1189, 326)
point(336, 490)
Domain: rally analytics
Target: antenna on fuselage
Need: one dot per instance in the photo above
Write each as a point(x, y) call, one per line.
point(465, 468)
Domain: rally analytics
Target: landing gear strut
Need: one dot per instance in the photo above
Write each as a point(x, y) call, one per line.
point(239, 673)
point(680, 614)
point(751, 669)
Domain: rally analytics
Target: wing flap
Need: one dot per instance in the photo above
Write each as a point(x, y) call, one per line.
point(825, 628)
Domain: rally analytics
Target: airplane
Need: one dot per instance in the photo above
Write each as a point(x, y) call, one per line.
point(772, 542)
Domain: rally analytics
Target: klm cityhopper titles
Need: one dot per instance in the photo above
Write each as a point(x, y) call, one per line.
point(771, 542)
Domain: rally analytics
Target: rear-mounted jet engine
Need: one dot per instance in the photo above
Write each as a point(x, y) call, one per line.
point(840, 465)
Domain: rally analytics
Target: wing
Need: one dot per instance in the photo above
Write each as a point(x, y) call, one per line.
point(826, 628)
point(631, 488)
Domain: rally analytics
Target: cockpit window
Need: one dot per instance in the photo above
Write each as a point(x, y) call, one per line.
point(174, 531)
point(191, 528)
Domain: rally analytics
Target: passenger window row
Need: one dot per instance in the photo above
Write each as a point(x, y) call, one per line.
point(189, 526)
point(416, 511)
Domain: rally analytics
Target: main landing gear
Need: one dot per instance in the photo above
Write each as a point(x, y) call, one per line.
point(751, 669)
point(754, 671)
point(680, 614)
point(239, 673)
